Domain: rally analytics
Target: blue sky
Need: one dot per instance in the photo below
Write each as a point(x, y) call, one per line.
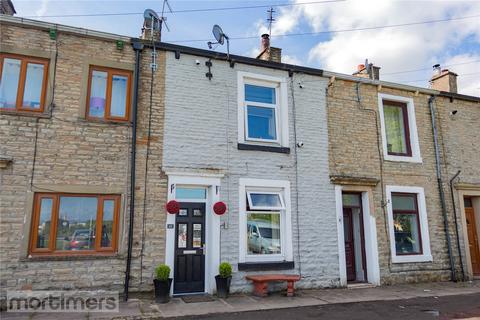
point(455, 43)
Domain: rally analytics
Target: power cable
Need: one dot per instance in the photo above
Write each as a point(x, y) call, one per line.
point(447, 65)
point(338, 31)
point(183, 11)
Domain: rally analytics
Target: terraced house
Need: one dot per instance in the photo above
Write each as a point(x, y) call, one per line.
point(340, 179)
point(67, 103)
point(404, 161)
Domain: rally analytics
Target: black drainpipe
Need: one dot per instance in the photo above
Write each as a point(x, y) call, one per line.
point(440, 188)
point(456, 223)
point(138, 47)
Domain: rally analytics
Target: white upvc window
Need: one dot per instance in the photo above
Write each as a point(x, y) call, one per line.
point(263, 114)
point(265, 221)
point(408, 224)
point(398, 128)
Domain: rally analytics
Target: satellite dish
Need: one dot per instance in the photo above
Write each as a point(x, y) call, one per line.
point(149, 13)
point(218, 34)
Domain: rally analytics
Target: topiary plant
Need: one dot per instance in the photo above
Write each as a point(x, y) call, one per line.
point(225, 270)
point(162, 272)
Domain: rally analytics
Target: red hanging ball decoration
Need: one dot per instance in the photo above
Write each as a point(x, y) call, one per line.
point(220, 208)
point(173, 207)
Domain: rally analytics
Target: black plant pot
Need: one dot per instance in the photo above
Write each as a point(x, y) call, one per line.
point(162, 290)
point(223, 286)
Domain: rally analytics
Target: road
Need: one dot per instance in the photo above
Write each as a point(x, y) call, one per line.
point(449, 307)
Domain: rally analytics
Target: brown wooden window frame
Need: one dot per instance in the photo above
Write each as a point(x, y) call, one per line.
point(24, 61)
point(406, 127)
point(108, 95)
point(408, 212)
point(51, 251)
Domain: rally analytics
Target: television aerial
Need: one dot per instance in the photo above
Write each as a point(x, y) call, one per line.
point(220, 36)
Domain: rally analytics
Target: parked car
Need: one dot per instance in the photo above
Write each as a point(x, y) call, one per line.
point(82, 239)
point(263, 237)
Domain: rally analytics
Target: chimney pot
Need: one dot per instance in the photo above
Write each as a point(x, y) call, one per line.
point(267, 52)
point(367, 70)
point(360, 67)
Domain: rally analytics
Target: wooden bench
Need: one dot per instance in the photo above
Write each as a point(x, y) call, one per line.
point(260, 282)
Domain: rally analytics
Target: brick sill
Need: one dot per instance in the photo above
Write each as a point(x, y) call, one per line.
point(72, 257)
point(266, 266)
point(256, 147)
point(31, 114)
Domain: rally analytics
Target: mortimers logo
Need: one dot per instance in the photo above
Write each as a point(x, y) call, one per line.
point(62, 301)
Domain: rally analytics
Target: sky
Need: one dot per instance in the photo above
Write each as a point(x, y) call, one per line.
point(405, 53)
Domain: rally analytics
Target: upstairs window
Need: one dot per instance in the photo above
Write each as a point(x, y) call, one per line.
point(261, 121)
point(262, 111)
point(108, 95)
point(396, 127)
point(23, 83)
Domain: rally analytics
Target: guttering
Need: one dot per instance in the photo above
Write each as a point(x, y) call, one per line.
point(138, 47)
point(440, 188)
point(231, 58)
point(456, 223)
point(42, 25)
point(387, 84)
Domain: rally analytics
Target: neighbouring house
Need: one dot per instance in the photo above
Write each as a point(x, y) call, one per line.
point(459, 131)
point(66, 107)
point(386, 164)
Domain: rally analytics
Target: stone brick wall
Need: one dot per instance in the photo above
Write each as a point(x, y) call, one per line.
point(76, 155)
point(460, 150)
point(201, 136)
point(354, 131)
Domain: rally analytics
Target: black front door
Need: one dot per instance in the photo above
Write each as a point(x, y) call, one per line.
point(349, 243)
point(189, 249)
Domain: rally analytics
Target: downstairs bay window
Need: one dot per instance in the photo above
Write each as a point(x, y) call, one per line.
point(265, 226)
point(409, 237)
point(70, 224)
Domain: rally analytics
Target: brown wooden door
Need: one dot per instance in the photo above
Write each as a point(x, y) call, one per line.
point(349, 244)
point(473, 240)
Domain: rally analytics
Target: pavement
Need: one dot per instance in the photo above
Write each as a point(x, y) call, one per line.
point(144, 307)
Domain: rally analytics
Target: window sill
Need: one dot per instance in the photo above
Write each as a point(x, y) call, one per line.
point(256, 147)
point(103, 121)
point(32, 114)
point(266, 266)
point(412, 258)
point(402, 159)
point(72, 257)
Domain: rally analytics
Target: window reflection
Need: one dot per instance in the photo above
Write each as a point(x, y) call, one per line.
point(45, 223)
point(76, 223)
point(263, 233)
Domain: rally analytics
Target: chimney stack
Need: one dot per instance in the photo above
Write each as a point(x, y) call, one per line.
point(267, 52)
point(443, 80)
point(368, 70)
point(147, 29)
point(6, 7)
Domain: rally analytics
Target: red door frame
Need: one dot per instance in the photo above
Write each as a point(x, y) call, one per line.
point(362, 231)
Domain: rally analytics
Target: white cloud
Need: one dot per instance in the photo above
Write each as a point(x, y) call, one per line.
point(291, 59)
point(43, 8)
point(393, 49)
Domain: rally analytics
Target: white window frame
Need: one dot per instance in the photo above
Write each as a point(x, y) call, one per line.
point(253, 207)
point(426, 256)
point(412, 126)
point(280, 107)
point(265, 186)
